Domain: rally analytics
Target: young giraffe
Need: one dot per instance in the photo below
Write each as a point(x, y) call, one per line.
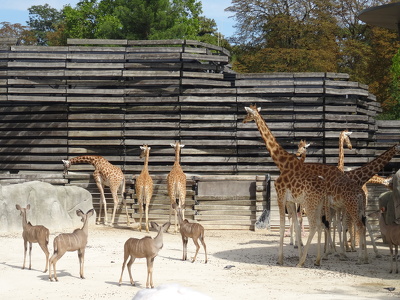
point(301, 152)
point(292, 186)
point(105, 174)
point(176, 181)
point(144, 187)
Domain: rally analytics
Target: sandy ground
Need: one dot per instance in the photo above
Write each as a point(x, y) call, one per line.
point(254, 274)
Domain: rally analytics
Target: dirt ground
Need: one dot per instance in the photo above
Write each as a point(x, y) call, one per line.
point(241, 265)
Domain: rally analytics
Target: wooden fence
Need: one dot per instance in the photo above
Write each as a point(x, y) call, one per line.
point(108, 97)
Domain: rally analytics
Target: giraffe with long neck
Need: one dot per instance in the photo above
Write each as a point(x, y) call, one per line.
point(105, 174)
point(293, 186)
point(176, 184)
point(144, 187)
point(340, 190)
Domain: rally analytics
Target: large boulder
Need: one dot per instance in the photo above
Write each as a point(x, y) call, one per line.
point(51, 206)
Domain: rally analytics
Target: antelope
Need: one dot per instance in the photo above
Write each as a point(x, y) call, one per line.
point(391, 232)
point(33, 234)
point(190, 230)
point(76, 240)
point(145, 247)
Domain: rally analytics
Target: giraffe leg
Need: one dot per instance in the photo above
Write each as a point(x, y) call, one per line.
point(147, 214)
point(102, 201)
point(282, 218)
point(371, 236)
point(114, 193)
point(141, 214)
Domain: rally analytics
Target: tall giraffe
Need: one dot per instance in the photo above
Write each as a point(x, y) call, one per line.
point(144, 186)
point(293, 186)
point(105, 174)
point(176, 181)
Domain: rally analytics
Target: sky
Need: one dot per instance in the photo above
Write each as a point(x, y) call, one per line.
point(17, 11)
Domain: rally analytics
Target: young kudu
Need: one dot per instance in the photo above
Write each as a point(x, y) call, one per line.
point(145, 247)
point(75, 241)
point(33, 234)
point(190, 230)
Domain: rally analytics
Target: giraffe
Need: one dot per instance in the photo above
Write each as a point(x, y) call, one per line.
point(312, 185)
point(293, 186)
point(302, 153)
point(176, 181)
point(144, 186)
point(105, 174)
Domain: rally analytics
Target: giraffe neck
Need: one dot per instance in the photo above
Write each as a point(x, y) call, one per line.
point(146, 160)
point(363, 174)
point(177, 154)
point(341, 153)
point(86, 159)
point(283, 159)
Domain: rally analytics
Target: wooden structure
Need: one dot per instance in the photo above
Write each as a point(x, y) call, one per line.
point(108, 97)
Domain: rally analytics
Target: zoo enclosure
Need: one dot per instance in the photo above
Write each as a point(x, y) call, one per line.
point(108, 97)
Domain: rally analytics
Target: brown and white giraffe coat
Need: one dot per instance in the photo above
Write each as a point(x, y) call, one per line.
point(105, 174)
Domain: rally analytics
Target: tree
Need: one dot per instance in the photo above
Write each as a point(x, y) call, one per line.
point(286, 37)
point(42, 20)
point(317, 35)
point(22, 33)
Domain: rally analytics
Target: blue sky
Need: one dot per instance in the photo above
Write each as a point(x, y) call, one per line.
point(16, 11)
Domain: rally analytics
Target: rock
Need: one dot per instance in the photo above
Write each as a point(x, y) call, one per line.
point(51, 206)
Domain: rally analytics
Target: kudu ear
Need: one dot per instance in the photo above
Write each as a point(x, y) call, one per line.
point(79, 213)
point(90, 213)
point(155, 225)
point(18, 207)
point(165, 227)
point(28, 207)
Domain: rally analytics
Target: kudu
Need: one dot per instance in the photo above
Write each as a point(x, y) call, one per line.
point(391, 233)
point(145, 247)
point(76, 240)
point(33, 234)
point(190, 230)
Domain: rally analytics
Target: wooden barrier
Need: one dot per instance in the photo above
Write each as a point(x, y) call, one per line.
point(108, 97)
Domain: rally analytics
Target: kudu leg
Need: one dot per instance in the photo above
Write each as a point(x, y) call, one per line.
point(185, 242)
point(46, 252)
point(30, 255)
point(130, 262)
point(25, 250)
point(149, 282)
point(204, 246)
point(81, 256)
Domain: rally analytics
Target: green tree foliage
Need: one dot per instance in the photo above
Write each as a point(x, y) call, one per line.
point(133, 19)
point(42, 20)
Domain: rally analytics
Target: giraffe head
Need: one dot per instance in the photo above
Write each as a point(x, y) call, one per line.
point(67, 164)
point(145, 149)
point(252, 112)
point(345, 135)
point(302, 148)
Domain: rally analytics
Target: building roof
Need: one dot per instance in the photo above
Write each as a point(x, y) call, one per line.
point(387, 15)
